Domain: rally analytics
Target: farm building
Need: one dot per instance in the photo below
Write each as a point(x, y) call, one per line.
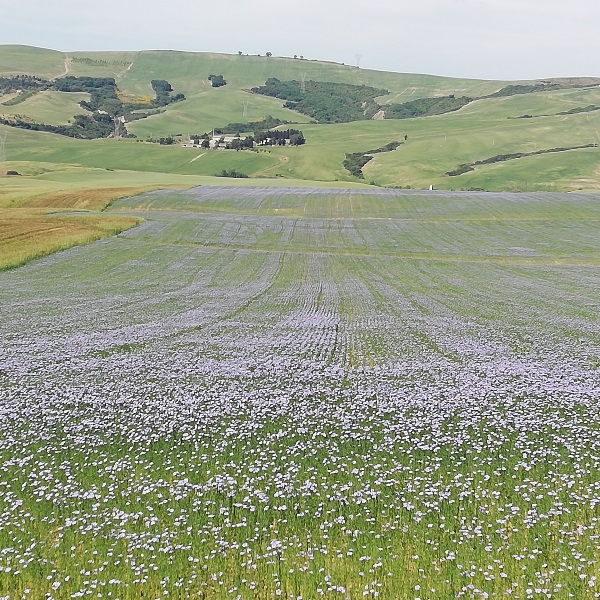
point(216, 142)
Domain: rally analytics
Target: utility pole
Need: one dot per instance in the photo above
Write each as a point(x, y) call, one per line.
point(303, 82)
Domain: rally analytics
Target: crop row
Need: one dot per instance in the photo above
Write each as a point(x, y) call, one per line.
point(198, 408)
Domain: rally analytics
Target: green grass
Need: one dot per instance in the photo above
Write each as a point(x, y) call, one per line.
point(188, 72)
point(53, 108)
point(39, 179)
point(204, 111)
point(27, 234)
point(27, 60)
point(435, 145)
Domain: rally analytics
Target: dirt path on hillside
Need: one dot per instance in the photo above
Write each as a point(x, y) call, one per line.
point(197, 157)
point(412, 90)
point(67, 67)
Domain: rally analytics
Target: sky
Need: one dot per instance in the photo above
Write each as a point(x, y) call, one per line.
point(480, 39)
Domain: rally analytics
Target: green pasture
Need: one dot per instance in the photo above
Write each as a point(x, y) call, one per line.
point(131, 155)
point(434, 145)
point(48, 179)
point(535, 173)
point(101, 64)
point(53, 108)
point(441, 144)
point(206, 107)
point(27, 60)
point(188, 72)
point(212, 108)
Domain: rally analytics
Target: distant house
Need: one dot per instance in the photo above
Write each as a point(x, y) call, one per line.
point(274, 142)
point(216, 142)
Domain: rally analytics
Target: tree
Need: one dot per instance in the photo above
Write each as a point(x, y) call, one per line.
point(112, 106)
point(297, 139)
point(217, 80)
point(161, 85)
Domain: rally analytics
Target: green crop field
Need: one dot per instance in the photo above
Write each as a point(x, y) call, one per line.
point(54, 108)
point(436, 145)
point(264, 392)
point(17, 60)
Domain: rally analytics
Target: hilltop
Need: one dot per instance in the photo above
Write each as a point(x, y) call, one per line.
point(387, 129)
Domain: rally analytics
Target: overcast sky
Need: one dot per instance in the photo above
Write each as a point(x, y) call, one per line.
point(484, 39)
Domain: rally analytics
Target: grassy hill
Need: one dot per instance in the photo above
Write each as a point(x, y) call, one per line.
point(434, 146)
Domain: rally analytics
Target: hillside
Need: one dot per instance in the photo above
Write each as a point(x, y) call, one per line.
point(538, 135)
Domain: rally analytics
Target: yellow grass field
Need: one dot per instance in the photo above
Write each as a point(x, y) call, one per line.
point(35, 223)
point(26, 234)
point(36, 217)
point(82, 199)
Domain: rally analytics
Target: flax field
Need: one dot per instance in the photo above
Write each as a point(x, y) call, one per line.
point(305, 393)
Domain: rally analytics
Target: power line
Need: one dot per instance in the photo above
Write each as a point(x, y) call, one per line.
point(303, 82)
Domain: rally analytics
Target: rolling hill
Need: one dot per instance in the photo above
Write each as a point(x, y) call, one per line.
point(552, 126)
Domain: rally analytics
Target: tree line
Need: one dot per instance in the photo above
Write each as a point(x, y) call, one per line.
point(279, 137)
point(328, 102)
point(355, 161)
point(268, 122)
point(81, 127)
point(325, 102)
point(16, 83)
point(466, 167)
